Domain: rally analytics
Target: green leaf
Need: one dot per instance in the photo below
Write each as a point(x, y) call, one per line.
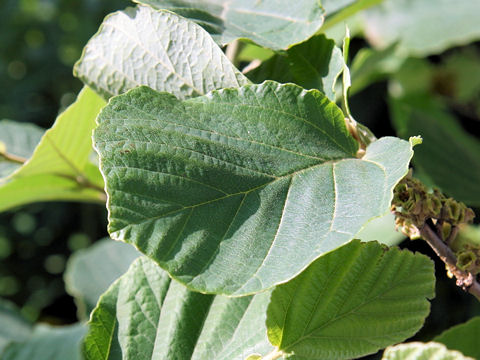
point(91, 271)
point(142, 46)
point(215, 189)
point(448, 155)
point(351, 302)
point(14, 326)
point(463, 337)
point(60, 168)
point(145, 315)
point(275, 24)
point(19, 140)
point(422, 351)
point(49, 343)
point(314, 64)
point(420, 28)
point(381, 229)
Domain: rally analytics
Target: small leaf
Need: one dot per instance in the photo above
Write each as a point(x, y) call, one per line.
point(448, 155)
point(351, 302)
point(49, 343)
point(14, 326)
point(60, 167)
point(463, 337)
point(422, 351)
point(142, 46)
point(91, 271)
point(275, 24)
point(314, 64)
point(18, 139)
point(216, 188)
point(145, 315)
point(420, 28)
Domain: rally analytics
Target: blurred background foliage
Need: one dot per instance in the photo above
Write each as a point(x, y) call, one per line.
point(397, 90)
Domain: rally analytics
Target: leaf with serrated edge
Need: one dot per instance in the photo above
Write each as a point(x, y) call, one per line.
point(145, 315)
point(219, 189)
point(276, 24)
point(351, 302)
point(61, 162)
point(422, 351)
point(159, 49)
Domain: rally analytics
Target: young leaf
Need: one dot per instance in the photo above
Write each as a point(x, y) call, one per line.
point(60, 168)
point(422, 351)
point(91, 271)
point(142, 46)
point(218, 189)
point(448, 155)
point(145, 315)
point(463, 337)
point(48, 343)
point(17, 142)
point(14, 326)
point(351, 302)
point(314, 64)
point(420, 28)
point(275, 24)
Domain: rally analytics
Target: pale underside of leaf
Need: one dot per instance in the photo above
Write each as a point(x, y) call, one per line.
point(219, 189)
point(422, 351)
point(159, 49)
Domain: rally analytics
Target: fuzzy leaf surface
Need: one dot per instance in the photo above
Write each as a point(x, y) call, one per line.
point(146, 315)
point(14, 326)
point(314, 64)
point(60, 161)
point(463, 337)
point(351, 302)
point(422, 351)
point(91, 271)
point(218, 188)
point(159, 49)
point(19, 139)
point(275, 24)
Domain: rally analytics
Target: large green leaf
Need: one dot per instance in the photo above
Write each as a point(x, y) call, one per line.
point(422, 351)
point(60, 168)
point(142, 46)
point(19, 140)
point(145, 315)
point(448, 155)
point(463, 337)
point(351, 302)
point(423, 27)
point(218, 189)
point(314, 64)
point(276, 24)
point(13, 326)
point(48, 343)
point(91, 271)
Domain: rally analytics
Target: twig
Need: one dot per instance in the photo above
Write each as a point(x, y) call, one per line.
point(466, 280)
point(14, 158)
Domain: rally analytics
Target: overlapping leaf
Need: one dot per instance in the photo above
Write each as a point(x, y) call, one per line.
point(91, 271)
point(314, 64)
point(142, 46)
point(14, 326)
point(422, 351)
point(351, 302)
point(463, 337)
point(60, 168)
point(145, 315)
point(19, 140)
point(219, 189)
point(276, 24)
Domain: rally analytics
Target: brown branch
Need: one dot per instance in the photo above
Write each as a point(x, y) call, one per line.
point(14, 158)
point(466, 280)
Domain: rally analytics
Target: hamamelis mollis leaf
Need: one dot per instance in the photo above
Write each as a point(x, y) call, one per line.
point(241, 189)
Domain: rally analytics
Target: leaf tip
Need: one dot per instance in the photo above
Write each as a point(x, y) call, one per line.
point(415, 140)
